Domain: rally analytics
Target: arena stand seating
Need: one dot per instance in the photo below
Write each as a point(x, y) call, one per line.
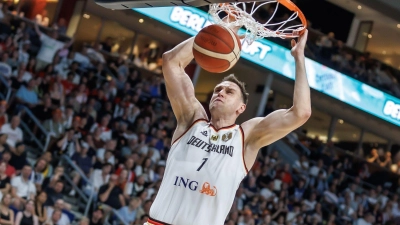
point(88, 136)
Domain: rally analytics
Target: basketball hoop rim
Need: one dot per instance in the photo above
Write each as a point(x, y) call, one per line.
point(293, 7)
point(289, 5)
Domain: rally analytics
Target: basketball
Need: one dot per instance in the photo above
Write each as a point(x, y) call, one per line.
point(216, 48)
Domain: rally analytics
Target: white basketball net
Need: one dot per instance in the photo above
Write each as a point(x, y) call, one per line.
point(241, 16)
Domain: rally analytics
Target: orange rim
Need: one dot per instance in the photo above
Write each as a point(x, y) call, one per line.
point(292, 7)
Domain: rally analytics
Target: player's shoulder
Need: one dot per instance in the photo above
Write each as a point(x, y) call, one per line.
point(194, 121)
point(184, 125)
point(251, 123)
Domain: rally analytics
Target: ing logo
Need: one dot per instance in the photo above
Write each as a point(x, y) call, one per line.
point(194, 185)
point(207, 190)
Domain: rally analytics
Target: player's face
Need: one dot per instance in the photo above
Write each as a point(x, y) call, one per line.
point(228, 98)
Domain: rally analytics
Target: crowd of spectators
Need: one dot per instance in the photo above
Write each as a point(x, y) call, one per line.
point(101, 113)
point(114, 124)
point(361, 66)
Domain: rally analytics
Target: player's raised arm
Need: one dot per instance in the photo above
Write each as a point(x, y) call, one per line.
point(180, 89)
point(264, 131)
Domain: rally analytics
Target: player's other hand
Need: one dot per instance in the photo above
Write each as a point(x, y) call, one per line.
point(232, 19)
point(298, 47)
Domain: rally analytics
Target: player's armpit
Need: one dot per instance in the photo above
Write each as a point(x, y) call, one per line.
point(262, 131)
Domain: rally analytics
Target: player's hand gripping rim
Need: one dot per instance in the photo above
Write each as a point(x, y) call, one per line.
point(298, 47)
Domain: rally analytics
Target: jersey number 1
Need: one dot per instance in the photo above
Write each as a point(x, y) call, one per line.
point(204, 162)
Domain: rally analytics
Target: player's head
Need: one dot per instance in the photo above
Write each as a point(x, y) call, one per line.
point(229, 96)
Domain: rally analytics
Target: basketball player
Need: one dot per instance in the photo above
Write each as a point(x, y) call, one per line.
point(209, 157)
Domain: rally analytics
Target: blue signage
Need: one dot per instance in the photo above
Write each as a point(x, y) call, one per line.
point(278, 59)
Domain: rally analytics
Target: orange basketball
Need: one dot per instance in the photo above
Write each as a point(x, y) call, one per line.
point(216, 48)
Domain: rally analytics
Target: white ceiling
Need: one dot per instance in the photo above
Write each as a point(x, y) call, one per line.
point(385, 34)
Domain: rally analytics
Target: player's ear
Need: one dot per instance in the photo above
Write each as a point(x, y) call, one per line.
point(241, 109)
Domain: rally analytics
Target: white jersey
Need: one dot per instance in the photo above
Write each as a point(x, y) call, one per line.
point(204, 169)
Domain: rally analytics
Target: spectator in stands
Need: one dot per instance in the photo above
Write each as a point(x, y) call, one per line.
point(374, 158)
point(107, 44)
point(129, 166)
point(5, 69)
point(40, 210)
point(111, 194)
point(326, 45)
point(37, 176)
point(43, 111)
point(54, 193)
point(100, 177)
point(61, 26)
point(56, 93)
point(146, 170)
point(3, 114)
point(97, 216)
point(22, 188)
point(50, 45)
point(6, 214)
point(128, 213)
point(125, 185)
point(139, 185)
point(387, 163)
point(27, 216)
point(143, 219)
point(59, 205)
point(364, 172)
point(13, 60)
point(23, 55)
point(52, 179)
point(3, 143)
point(8, 44)
point(18, 157)
point(68, 144)
point(10, 170)
point(48, 170)
point(14, 133)
point(55, 218)
point(106, 154)
point(5, 186)
point(84, 221)
point(27, 96)
point(84, 162)
point(105, 133)
point(368, 219)
point(20, 72)
point(55, 125)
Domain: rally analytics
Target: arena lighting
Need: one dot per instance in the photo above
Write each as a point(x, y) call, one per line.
point(398, 25)
point(141, 20)
point(278, 59)
point(359, 7)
